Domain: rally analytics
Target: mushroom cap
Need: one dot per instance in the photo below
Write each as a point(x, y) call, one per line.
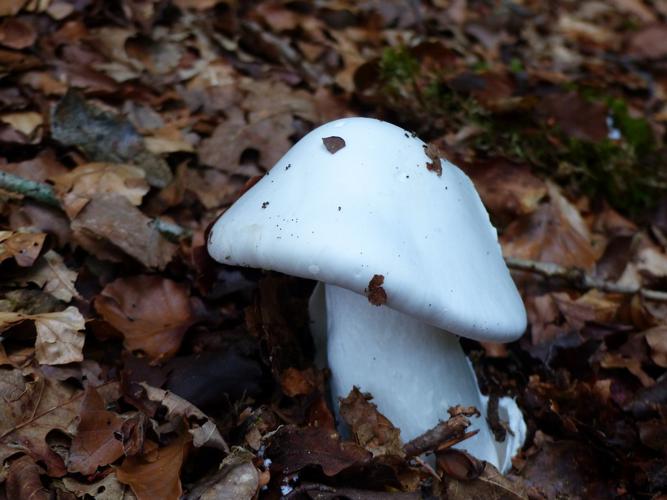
point(374, 208)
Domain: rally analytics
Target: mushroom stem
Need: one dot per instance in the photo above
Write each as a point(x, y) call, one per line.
point(414, 371)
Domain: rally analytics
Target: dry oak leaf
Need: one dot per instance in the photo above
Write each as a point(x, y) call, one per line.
point(59, 334)
point(95, 443)
point(656, 338)
point(490, 484)
point(237, 479)
point(32, 407)
point(76, 188)
point(555, 232)
point(156, 474)
point(371, 429)
point(53, 276)
point(110, 226)
point(152, 313)
point(23, 480)
point(203, 429)
point(24, 248)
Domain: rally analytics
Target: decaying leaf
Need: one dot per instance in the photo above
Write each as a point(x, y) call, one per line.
point(490, 484)
point(152, 313)
point(53, 276)
point(24, 248)
point(203, 430)
point(105, 137)
point(96, 442)
point(77, 187)
point(371, 429)
point(156, 473)
point(23, 480)
point(33, 407)
point(237, 479)
point(292, 448)
point(110, 226)
point(59, 334)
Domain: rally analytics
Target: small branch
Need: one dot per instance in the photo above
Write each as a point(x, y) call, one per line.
point(447, 430)
point(44, 193)
point(38, 191)
point(579, 279)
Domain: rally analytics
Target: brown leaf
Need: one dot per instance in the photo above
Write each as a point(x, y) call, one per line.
point(576, 116)
point(78, 186)
point(23, 481)
point(94, 443)
point(152, 313)
point(156, 474)
point(489, 485)
point(292, 448)
point(53, 276)
point(34, 406)
point(656, 338)
point(107, 488)
point(507, 189)
point(555, 232)
point(17, 33)
point(237, 479)
point(435, 155)
point(24, 248)
point(59, 337)
point(202, 428)
point(459, 464)
point(333, 143)
point(110, 222)
point(375, 293)
point(371, 429)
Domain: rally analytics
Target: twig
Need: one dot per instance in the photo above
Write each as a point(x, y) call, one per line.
point(579, 279)
point(38, 191)
point(44, 193)
point(446, 430)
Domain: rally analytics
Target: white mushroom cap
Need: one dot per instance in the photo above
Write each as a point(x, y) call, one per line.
point(373, 208)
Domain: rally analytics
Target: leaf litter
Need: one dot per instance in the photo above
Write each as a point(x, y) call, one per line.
point(133, 366)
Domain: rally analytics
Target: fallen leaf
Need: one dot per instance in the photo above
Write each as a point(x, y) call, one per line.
point(53, 276)
point(104, 137)
point(107, 488)
point(110, 223)
point(156, 474)
point(34, 406)
point(371, 429)
point(11, 7)
point(297, 382)
point(59, 337)
point(95, 443)
point(656, 338)
point(24, 248)
point(555, 232)
point(459, 464)
point(490, 484)
point(78, 186)
point(202, 428)
point(152, 313)
point(26, 122)
point(292, 448)
point(237, 479)
point(23, 482)
point(16, 33)
point(333, 143)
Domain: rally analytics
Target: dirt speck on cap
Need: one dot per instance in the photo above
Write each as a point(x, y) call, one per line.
point(333, 143)
point(435, 165)
point(375, 293)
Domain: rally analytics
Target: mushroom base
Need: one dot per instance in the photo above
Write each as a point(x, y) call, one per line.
point(414, 371)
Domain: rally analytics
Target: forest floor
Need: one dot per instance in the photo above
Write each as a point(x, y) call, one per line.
point(132, 365)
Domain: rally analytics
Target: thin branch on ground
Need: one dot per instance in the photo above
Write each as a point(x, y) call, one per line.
point(44, 193)
point(580, 279)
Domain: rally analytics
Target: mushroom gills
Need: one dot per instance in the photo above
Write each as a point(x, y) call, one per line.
point(414, 371)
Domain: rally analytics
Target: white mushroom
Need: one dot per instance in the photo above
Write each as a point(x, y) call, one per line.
point(371, 221)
